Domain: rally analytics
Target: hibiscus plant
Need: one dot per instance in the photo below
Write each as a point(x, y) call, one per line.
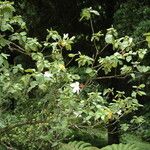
point(51, 98)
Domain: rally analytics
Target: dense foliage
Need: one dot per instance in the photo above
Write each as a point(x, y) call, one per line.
point(52, 91)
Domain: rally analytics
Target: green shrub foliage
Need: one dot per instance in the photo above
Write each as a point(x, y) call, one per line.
point(42, 104)
point(126, 22)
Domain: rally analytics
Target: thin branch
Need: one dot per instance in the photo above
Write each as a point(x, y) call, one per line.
point(103, 48)
point(140, 42)
point(17, 48)
point(69, 62)
point(92, 28)
point(111, 77)
point(135, 128)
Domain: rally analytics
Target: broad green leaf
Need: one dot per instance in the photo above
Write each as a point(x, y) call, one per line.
point(148, 38)
point(72, 55)
point(141, 93)
point(88, 70)
point(126, 69)
point(109, 38)
point(143, 69)
point(128, 58)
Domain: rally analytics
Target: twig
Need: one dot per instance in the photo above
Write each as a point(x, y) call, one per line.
point(69, 62)
point(103, 49)
point(111, 77)
point(17, 48)
point(92, 28)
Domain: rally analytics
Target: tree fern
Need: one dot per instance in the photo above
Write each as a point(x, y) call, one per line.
point(80, 145)
point(77, 145)
point(120, 147)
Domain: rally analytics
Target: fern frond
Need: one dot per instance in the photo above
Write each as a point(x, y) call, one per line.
point(120, 147)
point(77, 145)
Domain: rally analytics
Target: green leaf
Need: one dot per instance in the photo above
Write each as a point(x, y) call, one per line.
point(88, 70)
point(109, 38)
point(148, 38)
point(111, 35)
point(126, 69)
point(85, 14)
point(128, 58)
point(3, 41)
point(5, 55)
point(53, 34)
point(33, 84)
point(72, 55)
point(134, 94)
point(17, 68)
point(30, 70)
point(141, 93)
point(143, 69)
point(96, 36)
point(37, 56)
point(124, 127)
point(141, 86)
point(133, 75)
point(84, 60)
point(95, 12)
point(141, 53)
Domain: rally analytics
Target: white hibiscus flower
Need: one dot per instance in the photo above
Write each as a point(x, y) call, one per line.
point(75, 87)
point(47, 74)
point(119, 112)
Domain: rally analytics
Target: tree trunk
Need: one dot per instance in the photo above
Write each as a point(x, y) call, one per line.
point(113, 132)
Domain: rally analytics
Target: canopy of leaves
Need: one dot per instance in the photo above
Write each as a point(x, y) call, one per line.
point(51, 86)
